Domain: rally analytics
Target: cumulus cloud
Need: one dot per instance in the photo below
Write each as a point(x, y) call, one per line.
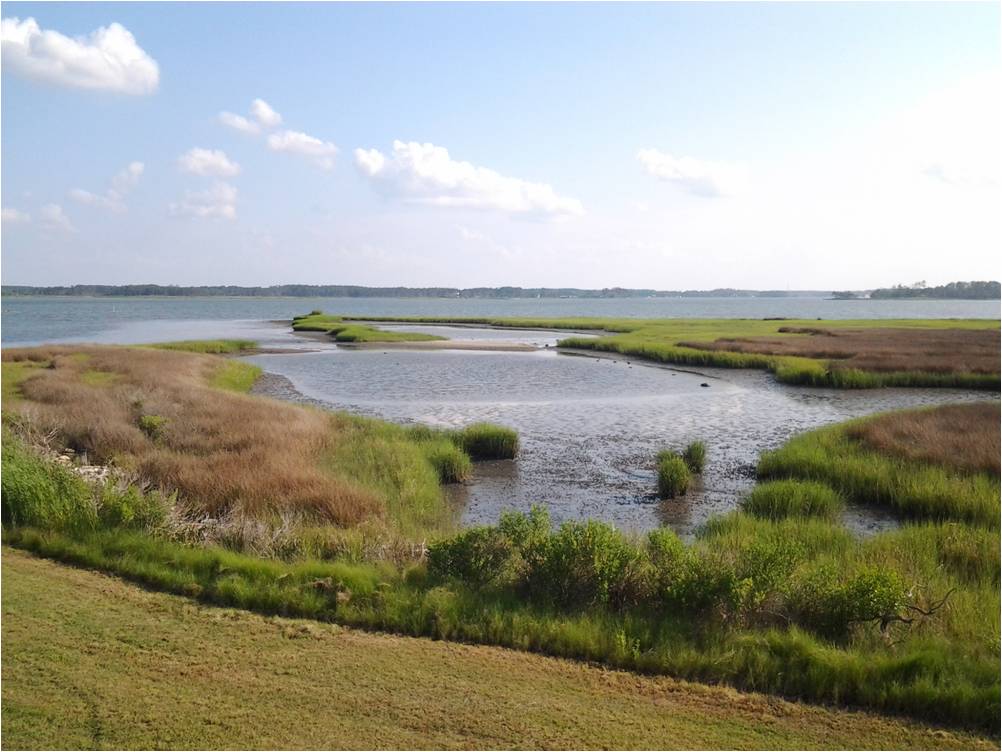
point(262, 116)
point(426, 174)
point(12, 216)
point(107, 59)
point(701, 178)
point(959, 176)
point(114, 198)
point(321, 153)
point(53, 217)
point(238, 122)
point(220, 201)
point(208, 162)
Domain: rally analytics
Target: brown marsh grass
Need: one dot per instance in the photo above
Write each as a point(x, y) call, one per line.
point(965, 437)
point(879, 349)
point(221, 451)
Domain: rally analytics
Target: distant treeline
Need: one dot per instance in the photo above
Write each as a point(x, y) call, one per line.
point(355, 291)
point(951, 291)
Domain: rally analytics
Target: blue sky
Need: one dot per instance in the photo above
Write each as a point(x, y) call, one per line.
point(665, 145)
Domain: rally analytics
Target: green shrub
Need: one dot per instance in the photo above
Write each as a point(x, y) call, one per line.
point(486, 441)
point(40, 493)
point(793, 498)
point(673, 475)
point(829, 602)
point(695, 456)
point(153, 426)
point(585, 563)
point(450, 462)
point(477, 556)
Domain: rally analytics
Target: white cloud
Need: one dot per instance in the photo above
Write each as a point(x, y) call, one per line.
point(114, 198)
point(426, 174)
point(208, 162)
point(238, 122)
point(264, 114)
point(321, 153)
point(108, 59)
point(709, 179)
point(218, 201)
point(13, 216)
point(53, 217)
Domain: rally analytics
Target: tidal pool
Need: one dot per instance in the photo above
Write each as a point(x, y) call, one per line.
point(590, 427)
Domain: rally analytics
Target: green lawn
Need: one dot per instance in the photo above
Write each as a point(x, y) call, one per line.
point(91, 662)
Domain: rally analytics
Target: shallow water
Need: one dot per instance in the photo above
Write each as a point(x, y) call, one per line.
point(590, 427)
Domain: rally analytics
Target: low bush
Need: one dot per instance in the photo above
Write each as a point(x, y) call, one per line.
point(477, 556)
point(153, 426)
point(793, 498)
point(673, 475)
point(830, 602)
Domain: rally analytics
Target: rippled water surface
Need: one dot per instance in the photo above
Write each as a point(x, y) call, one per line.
point(589, 426)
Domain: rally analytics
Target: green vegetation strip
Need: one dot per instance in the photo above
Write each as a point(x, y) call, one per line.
point(341, 331)
point(912, 488)
point(658, 340)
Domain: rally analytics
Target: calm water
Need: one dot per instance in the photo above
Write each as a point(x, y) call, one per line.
point(589, 427)
point(37, 320)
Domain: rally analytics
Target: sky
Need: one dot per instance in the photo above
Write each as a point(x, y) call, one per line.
point(670, 146)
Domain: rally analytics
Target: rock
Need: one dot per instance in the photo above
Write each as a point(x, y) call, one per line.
point(704, 384)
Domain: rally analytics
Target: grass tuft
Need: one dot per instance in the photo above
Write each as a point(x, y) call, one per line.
point(673, 475)
point(793, 498)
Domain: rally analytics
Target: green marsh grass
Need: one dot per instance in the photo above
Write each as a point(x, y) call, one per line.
point(695, 456)
point(793, 498)
point(209, 346)
point(343, 331)
point(673, 475)
point(659, 340)
point(486, 441)
point(911, 488)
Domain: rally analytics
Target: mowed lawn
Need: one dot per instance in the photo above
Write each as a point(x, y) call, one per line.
point(92, 662)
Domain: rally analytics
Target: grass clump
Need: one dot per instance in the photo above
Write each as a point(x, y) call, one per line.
point(695, 457)
point(153, 426)
point(452, 464)
point(673, 475)
point(793, 498)
point(486, 441)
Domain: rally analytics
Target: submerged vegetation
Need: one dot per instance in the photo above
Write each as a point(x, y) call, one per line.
point(342, 519)
point(841, 354)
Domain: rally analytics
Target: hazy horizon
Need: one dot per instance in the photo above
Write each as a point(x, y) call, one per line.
point(665, 146)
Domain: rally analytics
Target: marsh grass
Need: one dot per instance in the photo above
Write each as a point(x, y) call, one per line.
point(209, 346)
point(344, 331)
point(793, 498)
point(865, 475)
point(965, 353)
point(220, 451)
point(673, 475)
point(486, 441)
point(695, 456)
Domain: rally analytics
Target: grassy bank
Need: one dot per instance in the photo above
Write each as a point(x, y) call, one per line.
point(173, 417)
point(866, 353)
point(342, 330)
point(924, 474)
point(371, 690)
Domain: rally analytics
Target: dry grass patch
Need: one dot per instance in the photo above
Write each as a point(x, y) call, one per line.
point(221, 451)
point(877, 349)
point(965, 437)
